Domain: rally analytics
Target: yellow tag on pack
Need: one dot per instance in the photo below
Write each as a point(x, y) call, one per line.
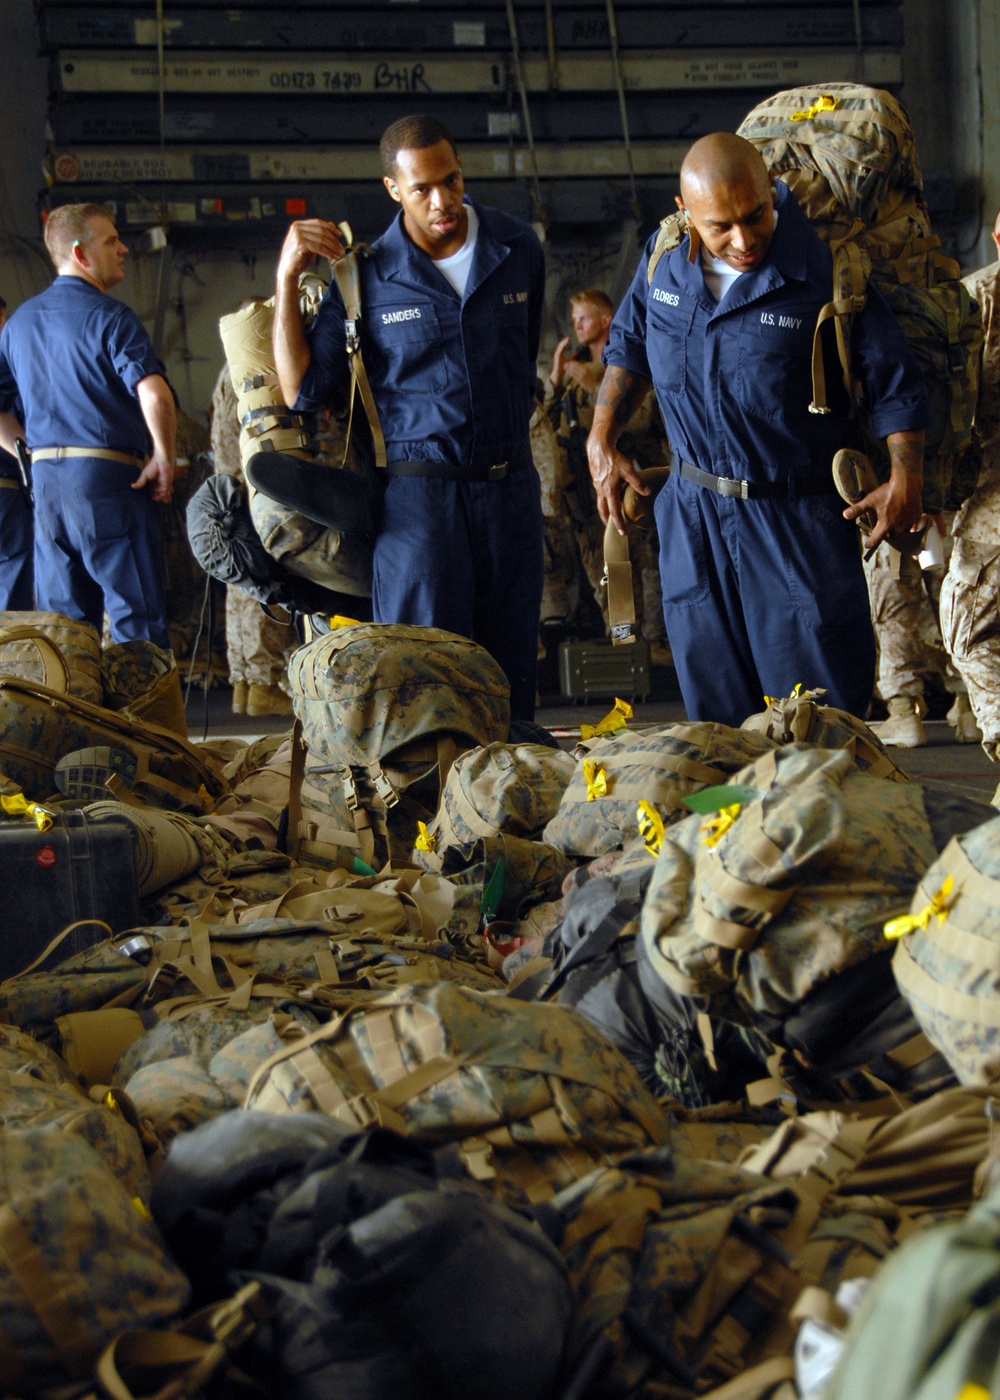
point(339, 621)
point(971, 1391)
point(426, 840)
point(717, 826)
point(595, 778)
point(614, 720)
point(17, 805)
point(940, 904)
point(826, 102)
point(651, 827)
point(770, 700)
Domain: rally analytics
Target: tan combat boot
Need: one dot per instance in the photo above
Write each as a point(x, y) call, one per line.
point(267, 700)
point(904, 729)
point(963, 721)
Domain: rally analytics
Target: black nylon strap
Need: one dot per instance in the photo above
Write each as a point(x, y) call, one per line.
point(754, 490)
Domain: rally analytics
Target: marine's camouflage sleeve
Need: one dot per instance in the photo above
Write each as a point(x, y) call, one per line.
point(225, 426)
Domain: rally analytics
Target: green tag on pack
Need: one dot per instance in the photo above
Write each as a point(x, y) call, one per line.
point(713, 799)
point(493, 893)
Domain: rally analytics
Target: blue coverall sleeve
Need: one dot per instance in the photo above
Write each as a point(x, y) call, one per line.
point(131, 350)
point(887, 368)
point(626, 345)
point(328, 371)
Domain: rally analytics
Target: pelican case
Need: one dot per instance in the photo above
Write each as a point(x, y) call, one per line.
point(596, 670)
point(77, 870)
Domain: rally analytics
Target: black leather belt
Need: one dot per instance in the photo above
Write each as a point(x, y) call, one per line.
point(447, 471)
point(754, 490)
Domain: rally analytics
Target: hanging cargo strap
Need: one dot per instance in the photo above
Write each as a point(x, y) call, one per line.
point(345, 270)
point(515, 47)
point(622, 108)
point(618, 574)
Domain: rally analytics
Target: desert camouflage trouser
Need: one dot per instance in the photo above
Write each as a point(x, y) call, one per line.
point(970, 604)
point(909, 640)
point(257, 647)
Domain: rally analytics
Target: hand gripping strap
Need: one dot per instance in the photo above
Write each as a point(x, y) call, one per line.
point(345, 270)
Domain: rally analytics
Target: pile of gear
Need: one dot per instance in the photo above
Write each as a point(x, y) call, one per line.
point(680, 1035)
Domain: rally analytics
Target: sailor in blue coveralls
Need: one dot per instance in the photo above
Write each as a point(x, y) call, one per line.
point(451, 305)
point(100, 421)
point(17, 591)
point(763, 586)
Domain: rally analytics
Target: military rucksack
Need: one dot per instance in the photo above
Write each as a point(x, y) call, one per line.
point(383, 711)
point(800, 718)
point(512, 788)
point(78, 641)
point(848, 155)
point(690, 1275)
point(760, 904)
point(533, 1095)
point(80, 1260)
point(598, 810)
point(946, 960)
point(40, 723)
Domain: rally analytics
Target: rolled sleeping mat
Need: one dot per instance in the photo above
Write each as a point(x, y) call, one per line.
point(169, 845)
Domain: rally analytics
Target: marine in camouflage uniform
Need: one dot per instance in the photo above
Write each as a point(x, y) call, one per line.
point(970, 594)
point(258, 647)
point(570, 396)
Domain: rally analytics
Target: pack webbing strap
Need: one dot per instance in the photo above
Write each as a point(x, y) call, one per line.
point(345, 270)
point(55, 668)
point(54, 943)
point(635, 1204)
point(149, 1350)
point(43, 1290)
point(456, 797)
point(978, 1011)
point(740, 894)
point(723, 933)
point(621, 600)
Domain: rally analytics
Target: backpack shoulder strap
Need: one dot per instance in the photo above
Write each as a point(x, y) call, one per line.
point(670, 236)
point(345, 270)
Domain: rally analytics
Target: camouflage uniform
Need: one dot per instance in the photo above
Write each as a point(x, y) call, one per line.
point(571, 409)
point(909, 640)
point(258, 647)
point(970, 594)
point(561, 585)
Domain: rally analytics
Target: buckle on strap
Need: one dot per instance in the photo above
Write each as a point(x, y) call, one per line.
point(352, 335)
point(497, 471)
point(733, 486)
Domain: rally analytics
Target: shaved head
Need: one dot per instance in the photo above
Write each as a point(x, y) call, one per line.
point(728, 197)
point(722, 159)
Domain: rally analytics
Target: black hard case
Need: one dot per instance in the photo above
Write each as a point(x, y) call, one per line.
point(78, 869)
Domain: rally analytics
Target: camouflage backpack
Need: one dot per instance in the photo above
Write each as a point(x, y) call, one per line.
point(848, 154)
point(761, 904)
point(690, 1276)
point(512, 788)
point(800, 718)
point(533, 1095)
point(384, 709)
point(946, 956)
point(318, 552)
point(78, 641)
point(80, 1261)
point(598, 811)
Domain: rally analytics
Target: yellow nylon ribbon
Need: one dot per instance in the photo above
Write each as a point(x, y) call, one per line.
point(770, 700)
point(616, 718)
point(338, 620)
point(142, 1207)
point(717, 826)
point(826, 102)
point(939, 905)
point(970, 1391)
point(650, 827)
point(595, 778)
point(426, 840)
point(17, 805)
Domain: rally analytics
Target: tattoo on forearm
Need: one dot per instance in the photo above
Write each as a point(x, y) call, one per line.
point(621, 392)
point(908, 453)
